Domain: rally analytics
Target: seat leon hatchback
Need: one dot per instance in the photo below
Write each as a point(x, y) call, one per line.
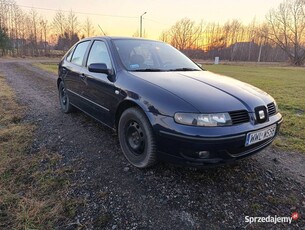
point(163, 105)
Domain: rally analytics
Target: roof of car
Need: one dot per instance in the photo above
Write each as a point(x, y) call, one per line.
point(118, 38)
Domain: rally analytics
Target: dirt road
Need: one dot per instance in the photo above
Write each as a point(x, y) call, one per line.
point(116, 195)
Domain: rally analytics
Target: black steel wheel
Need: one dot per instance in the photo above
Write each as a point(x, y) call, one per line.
point(64, 101)
point(137, 138)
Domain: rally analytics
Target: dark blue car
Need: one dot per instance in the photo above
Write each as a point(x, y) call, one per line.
point(163, 105)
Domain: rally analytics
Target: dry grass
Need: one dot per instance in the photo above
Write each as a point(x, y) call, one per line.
point(32, 189)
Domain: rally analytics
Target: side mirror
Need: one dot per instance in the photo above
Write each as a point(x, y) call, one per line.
point(99, 68)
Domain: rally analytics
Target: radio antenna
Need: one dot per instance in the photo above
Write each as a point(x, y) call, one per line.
point(102, 30)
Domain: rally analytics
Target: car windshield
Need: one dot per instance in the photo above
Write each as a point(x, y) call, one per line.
point(152, 56)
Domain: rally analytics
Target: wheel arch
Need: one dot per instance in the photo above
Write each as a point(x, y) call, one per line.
point(126, 104)
point(58, 82)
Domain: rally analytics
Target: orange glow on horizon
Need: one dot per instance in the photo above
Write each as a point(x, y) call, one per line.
point(121, 17)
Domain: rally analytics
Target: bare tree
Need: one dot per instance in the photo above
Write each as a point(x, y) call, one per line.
point(184, 34)
point(233, 32)
point(4, 41)
point(8, 10)
point(136, 34)
point(17, 43)
point(251, 32)
point(164, 36)
point(67, 28)
point(34, 20)
point(21, 32)
point(213, 38)
point(287, 29)
point(88, 28)
point(44, 33)
point(73, 24)
point(59, 23)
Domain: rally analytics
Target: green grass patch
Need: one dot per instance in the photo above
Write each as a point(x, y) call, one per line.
point(287, 86)
point(32, 189)
point(50, 67)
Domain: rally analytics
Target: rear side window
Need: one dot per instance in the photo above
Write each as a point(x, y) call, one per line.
point(79, 53)
point(99, 54)
point(69, 55)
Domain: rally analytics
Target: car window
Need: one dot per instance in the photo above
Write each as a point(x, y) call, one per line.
point(146, 55)
point(69, 55)
point(79, 53)
point(99, 54)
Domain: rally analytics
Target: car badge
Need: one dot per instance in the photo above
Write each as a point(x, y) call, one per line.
point(261, 114)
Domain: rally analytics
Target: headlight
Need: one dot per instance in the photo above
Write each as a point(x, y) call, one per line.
point(276, 107)
point(216, 119)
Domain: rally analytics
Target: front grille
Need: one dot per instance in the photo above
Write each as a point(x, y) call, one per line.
point(239, 117)
point(271, 109)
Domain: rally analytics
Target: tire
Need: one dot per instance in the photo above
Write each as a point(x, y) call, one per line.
point(137, 139)
point(64, 100)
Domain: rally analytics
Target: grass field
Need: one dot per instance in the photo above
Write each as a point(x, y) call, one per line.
point(285, 84)
point(32, 193)
point(51, 67)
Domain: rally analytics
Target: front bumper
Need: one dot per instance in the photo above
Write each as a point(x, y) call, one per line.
point(182, 144)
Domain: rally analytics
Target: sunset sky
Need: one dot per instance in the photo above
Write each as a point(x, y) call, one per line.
point(119, 17)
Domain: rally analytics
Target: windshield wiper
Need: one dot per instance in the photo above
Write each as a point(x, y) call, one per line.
point(164, 70)
point(184, 69)
point(147, 70)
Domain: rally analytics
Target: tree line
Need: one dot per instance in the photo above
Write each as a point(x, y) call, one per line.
point(280, 37)
point(28, 33)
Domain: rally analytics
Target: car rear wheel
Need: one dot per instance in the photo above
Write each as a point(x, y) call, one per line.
point(64, 101)
point(137, 138)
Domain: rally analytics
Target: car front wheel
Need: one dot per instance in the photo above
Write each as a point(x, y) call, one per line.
point(137, 138)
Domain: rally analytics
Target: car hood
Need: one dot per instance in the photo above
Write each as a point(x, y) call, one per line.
point(208, 92)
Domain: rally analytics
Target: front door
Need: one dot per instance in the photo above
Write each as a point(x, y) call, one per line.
point(101, 92)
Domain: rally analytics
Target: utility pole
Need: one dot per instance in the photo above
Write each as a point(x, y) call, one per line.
point(141, 19)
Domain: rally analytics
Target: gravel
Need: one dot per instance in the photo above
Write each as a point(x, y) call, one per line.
point(115, 195)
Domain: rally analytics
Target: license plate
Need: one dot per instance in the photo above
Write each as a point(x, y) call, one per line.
point(260, 135)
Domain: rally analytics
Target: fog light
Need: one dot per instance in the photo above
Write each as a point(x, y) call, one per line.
point(204, 154)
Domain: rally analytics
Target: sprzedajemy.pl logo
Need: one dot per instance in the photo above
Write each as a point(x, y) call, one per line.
point(272, 219)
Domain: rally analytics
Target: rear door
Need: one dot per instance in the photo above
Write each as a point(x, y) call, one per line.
point(73, 72)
